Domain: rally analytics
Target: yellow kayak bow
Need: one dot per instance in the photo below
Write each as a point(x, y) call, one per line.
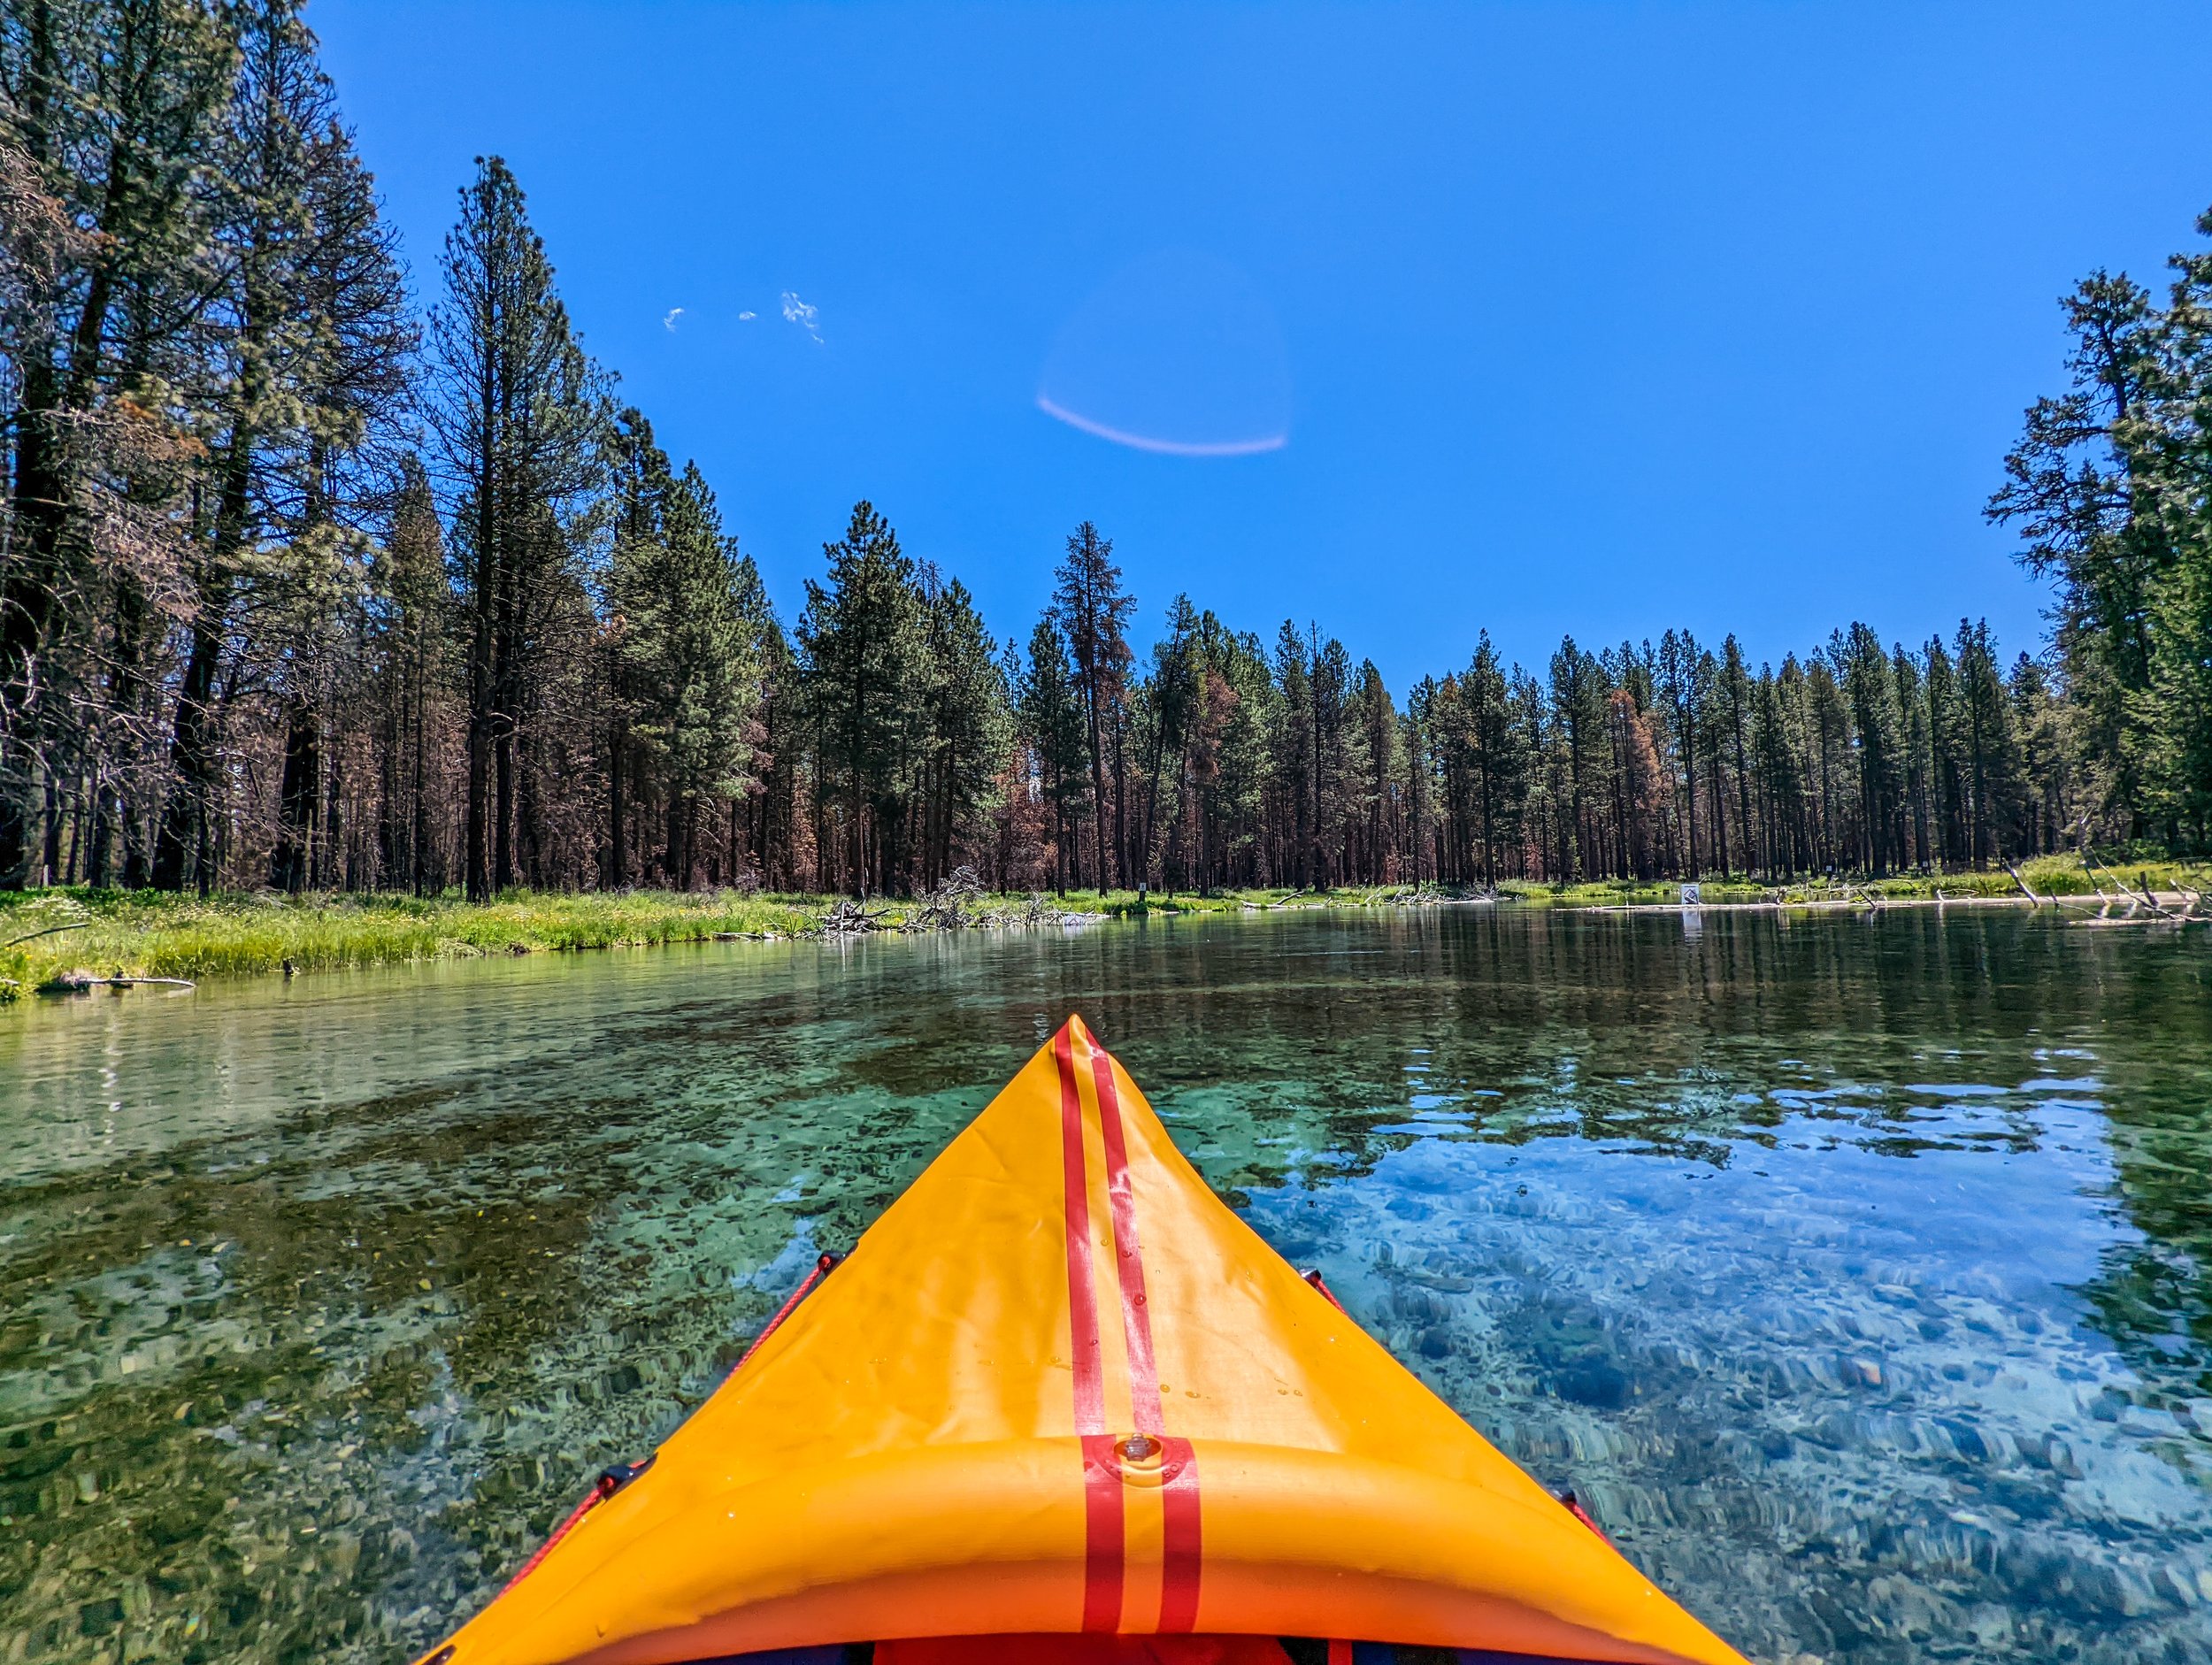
point(1058, 1395)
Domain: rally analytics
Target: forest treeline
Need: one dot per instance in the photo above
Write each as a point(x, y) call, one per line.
point(304, 584)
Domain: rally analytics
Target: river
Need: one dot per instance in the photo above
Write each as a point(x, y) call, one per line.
point(1854, 1270)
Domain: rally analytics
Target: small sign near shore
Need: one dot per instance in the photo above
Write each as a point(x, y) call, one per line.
point(1690, 898)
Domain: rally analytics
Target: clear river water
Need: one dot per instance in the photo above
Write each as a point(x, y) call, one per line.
point(1854, 1270)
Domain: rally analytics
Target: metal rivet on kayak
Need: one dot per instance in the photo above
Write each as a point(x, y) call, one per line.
point(441, 1656)
point(1138, 1448)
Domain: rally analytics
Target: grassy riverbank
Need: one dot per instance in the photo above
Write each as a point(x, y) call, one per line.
point(152, 934)
point(147, 934)
point(2049, 876)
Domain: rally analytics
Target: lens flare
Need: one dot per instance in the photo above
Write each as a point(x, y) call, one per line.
point(1177, 353)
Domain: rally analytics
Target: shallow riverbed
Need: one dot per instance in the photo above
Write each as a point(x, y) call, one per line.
point(1853, 1269)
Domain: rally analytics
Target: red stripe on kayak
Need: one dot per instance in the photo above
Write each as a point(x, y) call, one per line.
point(1136, 1319)
point(1103, 1574)
point(1103, 1550)
point(1179, 1558)
point(1090, 1387)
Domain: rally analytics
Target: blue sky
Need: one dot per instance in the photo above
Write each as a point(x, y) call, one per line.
point(1410, 319)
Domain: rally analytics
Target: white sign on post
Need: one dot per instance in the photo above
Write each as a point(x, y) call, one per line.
point(1690, 897)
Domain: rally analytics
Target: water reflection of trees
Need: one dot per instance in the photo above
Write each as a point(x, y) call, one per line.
point(1305, 1046)
point(2155, 1297)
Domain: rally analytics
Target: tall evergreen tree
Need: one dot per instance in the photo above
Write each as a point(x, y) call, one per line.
point(1052, 715)
point(519, 421)
point(691, 658)
point(412, 626)
point(1172, 694)
point(1684, 699)
point(2080, 487)
point(1869, 683)
point(1294, 747)
point(111, 126)
point(1092, 612)
point(966, 723)
point(864, 652)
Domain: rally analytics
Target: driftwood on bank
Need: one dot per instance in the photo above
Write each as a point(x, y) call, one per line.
point(958, 903)
point(1426, 894)
point(948, 907)
point(1035, 911)
point(2191, 902)
point(850, 918)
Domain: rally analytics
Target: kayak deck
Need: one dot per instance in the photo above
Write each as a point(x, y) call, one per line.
point(1060, 1390)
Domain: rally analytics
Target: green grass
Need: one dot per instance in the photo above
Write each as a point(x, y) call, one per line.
point(2048, 875)
point(1122, 904)
point(146, 934)
point(149, 933)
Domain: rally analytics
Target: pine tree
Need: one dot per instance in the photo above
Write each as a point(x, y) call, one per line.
point(2170, 446)
point(1093, 612)
point(863, 653)
point(520, 423)
point(1051, 717)
point(1373, 805)
point(1991, 747)
point(344, 359)
point(1780, 781)
point(691, 659)
point(1733, 699)
point(1170, 696)
point(112, 119)
point(1241, 719)
point(2039, 720)
point(2080, 486)
point(1869, 683)
point(1641, 786)
point(1496, 748)
point(1947, 773)
point(1680, 664)
point(1292, 759)
point(966, 724)
point(1578, 695)
point(1417, 745)
point(1329, 671)
point(412, 625)
point(1917, 755)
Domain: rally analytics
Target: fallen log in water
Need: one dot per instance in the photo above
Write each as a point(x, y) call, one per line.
point(81, 982)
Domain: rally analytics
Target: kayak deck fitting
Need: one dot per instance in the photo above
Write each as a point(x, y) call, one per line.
point(1060, 1403)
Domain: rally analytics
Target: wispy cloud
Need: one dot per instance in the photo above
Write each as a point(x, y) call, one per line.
point(797, 311)
point(669, 323)
point(747, 317)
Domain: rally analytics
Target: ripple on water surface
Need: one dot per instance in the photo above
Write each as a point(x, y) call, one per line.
point(1855, 1273)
